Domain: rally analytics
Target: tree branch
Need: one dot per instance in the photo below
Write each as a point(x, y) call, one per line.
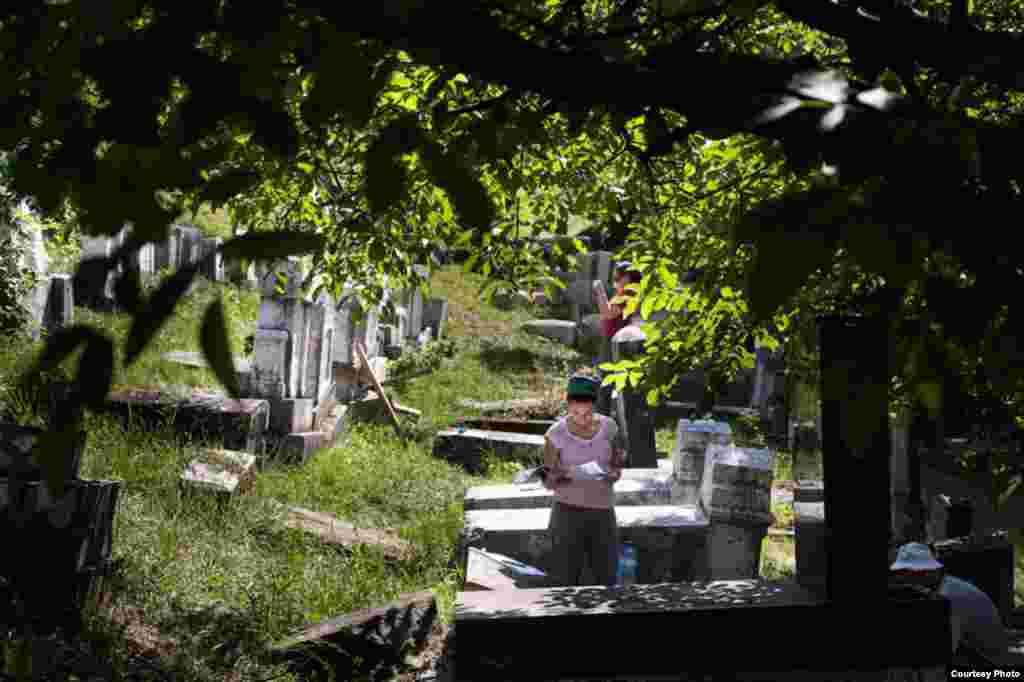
point(909, 37)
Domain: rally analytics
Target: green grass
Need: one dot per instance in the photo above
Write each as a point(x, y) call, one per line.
point(174, 556)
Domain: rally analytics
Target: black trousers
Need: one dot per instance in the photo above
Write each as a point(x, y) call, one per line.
point(581, 539)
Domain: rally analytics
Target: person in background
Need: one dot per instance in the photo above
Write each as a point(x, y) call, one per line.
point(583, 526)
point(977, 627)
point(612, 319)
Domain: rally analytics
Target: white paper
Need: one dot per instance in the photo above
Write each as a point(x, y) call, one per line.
point(591, 471)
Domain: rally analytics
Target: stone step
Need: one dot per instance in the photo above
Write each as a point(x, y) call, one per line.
point(654, 488)
point(674, 630)
point(467, 447)
point(670, 541)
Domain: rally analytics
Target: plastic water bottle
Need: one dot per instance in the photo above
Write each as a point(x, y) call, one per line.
point(627, 566)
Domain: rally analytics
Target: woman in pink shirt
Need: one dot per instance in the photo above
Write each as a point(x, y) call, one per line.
point(583, 526)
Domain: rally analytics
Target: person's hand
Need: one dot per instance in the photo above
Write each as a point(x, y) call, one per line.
point(614, 474)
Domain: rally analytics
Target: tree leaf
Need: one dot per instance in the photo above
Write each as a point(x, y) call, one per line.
point(387, 177)
point(146, 323)
point(464, 190)
point(52, 452)
point(1014, 485)
point(58, 347)
point(279, 244)
point(213, 337)
point(744, 9)
point(227, 185)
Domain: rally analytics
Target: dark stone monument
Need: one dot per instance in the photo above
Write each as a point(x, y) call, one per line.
point(855, 455)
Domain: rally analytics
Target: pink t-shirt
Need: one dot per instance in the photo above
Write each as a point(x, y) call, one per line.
point(575, 451)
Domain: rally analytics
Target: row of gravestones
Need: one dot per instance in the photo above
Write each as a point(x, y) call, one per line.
point(298, 343)
point(761, 388)
point(184, 246)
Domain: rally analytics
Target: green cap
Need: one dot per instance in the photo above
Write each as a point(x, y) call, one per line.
point(581, 386)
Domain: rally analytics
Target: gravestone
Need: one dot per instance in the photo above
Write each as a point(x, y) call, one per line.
point(166, 252)
point(223, 473)
point(634, 416)
point(187, 241)
point(692, 441)
point(416, 304)
point(291, 271)
point(270, 363)
point(314, 350)
point(60, 304)
point(855, 448)
point(212, 260)
point(326, 382)
point(562, 331)
point(736, 491)
point(343, 330)
point(435, 316)
point(97, 247)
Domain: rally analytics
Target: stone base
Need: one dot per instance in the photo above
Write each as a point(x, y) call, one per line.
point(670, 541)
point(734, 549)
point(811, 557)
point(467, 448)
point(681, 629)
point(291, 415)
point(299, 447)
point(649, 490)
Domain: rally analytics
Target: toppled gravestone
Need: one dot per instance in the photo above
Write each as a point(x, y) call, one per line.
point(331, 530)
point(222, 472)
point(490, 571)
point(367, 644)
point(466, 447)
point(562, 331)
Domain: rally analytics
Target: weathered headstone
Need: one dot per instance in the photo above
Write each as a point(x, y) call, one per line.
point(855, 416)
point(562, 331)
point(415, 304)
point(290, 271)
point(692, 441)
point(343, 329)
point(166, 252)
point(60, 304)
point(222, 472)
point(435, 315)
point(736, 496)
point(634, 415)
point(212, 259)
point(270, 363)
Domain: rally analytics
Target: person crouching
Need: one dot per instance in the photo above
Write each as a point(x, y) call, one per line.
point(583, 527)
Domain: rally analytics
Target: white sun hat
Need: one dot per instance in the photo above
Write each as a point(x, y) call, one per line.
point(915, 556)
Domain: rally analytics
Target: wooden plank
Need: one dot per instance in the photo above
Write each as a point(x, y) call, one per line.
point(380, 389)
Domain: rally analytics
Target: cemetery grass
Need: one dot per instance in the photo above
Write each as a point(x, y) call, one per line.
point(175, 557)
